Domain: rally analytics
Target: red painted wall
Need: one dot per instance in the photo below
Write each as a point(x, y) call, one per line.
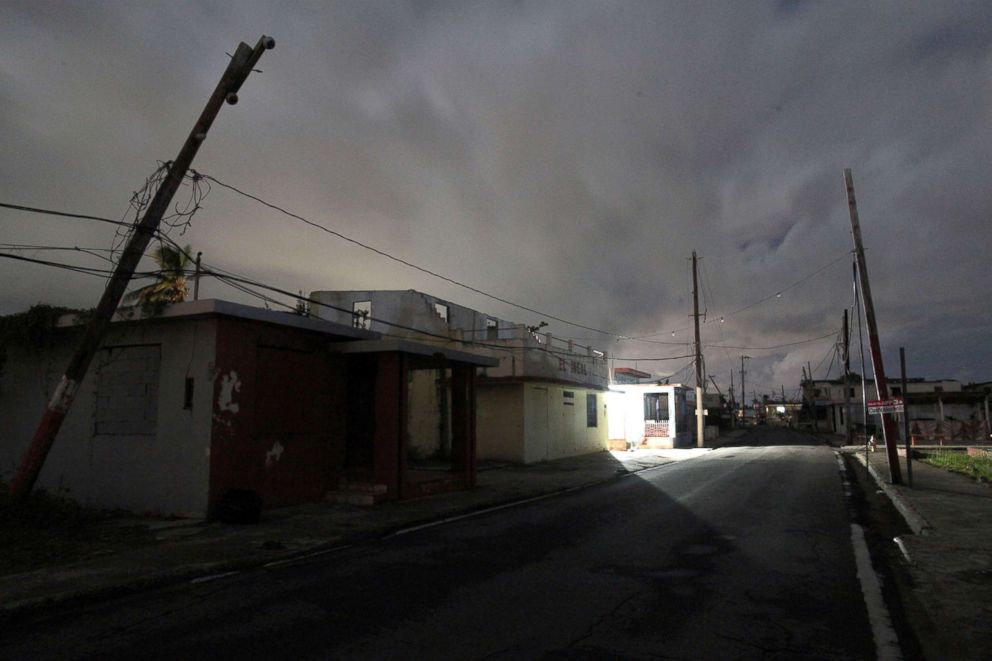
point(279, 429)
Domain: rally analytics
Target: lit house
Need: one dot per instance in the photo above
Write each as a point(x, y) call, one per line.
point(651, 416)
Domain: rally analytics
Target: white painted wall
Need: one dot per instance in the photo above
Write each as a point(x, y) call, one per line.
point(555, 425)
point(424, 415)
point(164, 472)
point(499, 422)
point(626, 402)
point(533, 421)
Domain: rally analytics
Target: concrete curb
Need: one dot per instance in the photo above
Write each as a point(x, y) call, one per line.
point(916, 522)
point(25, 607)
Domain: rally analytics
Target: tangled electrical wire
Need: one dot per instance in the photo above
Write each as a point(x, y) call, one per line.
point(181, 216)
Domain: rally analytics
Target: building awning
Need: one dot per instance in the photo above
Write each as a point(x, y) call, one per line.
point(399, 345)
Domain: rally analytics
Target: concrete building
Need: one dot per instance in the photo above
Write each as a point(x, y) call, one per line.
point(652, 416)
point(626, 375)
point(543, 399)
point(941, 410)
point(210, 397)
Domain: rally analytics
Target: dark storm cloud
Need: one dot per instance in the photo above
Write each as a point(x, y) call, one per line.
point(566, 155)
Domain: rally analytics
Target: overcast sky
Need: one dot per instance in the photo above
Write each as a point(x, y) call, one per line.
point(567, 156)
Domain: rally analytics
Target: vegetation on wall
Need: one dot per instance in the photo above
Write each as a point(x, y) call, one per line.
point(34, 328)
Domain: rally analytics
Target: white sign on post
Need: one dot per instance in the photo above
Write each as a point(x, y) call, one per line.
point(879, 406)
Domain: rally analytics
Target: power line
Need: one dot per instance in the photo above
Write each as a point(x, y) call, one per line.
point(64, 214)
point(654, 359)
point(406, 263)
point(88, 270)
point(777, 346)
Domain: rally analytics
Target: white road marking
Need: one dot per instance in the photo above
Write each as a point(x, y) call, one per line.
point(213, 577)
point(886, 641)
point(305, 556)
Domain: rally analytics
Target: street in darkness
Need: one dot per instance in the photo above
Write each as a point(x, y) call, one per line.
point(743, 553)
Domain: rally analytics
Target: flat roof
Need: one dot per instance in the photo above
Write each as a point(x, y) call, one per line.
point(212, 306)
point(645, 387)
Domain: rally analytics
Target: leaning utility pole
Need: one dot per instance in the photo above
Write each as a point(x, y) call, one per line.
point(700, 421)
point(241, 65)
point(889, 431)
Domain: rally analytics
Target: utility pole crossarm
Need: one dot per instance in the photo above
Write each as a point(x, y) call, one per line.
point(241, 64)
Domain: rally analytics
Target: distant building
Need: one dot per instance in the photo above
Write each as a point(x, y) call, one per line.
point(941, 410)
point(626, 375)
point(542, 401)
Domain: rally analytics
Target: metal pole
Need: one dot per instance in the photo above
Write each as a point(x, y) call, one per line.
point(888, 427)
point(33, 460)
point(847, 387)
point(905, 418)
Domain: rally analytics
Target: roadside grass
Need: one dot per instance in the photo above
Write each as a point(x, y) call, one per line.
point(978, 467)
point(45, 530)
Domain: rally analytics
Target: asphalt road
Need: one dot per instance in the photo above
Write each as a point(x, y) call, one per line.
point(743, 553)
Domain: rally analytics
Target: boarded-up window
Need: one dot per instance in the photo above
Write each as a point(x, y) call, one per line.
point(127, 390)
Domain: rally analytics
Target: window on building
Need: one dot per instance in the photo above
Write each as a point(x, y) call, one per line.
point(361, 314)
point(188, 393)
point(656, 406)
point(492, 329)
point(896, 390)
point(938, 388)
point(568, 398)
point(442, 311)
point(592, 413)
point(127, 390)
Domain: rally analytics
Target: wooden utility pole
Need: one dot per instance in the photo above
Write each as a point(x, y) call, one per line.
point(889, 431)
point(244, 59)
point(700, 421)
point(743, 392)
point(847, 387)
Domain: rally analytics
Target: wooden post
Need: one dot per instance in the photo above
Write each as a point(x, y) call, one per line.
point(700, 419)
point(33, 460)
point(889, 432)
